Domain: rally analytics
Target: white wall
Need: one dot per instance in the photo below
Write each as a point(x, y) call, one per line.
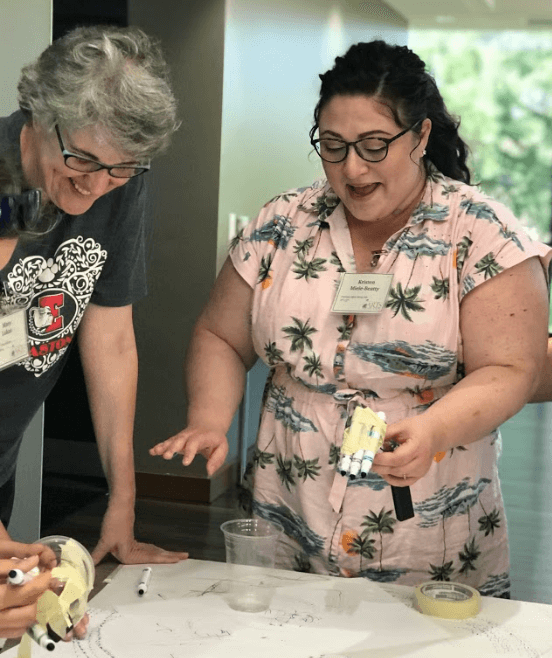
point(273, 53)
point(26, 31)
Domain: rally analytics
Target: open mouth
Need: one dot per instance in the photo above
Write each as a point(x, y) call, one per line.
point(79, 189)
point(362, 191)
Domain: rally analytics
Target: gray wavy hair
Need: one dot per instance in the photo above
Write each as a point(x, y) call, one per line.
point(112, 77)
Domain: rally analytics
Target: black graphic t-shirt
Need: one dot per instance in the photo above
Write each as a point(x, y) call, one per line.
point(97, 257)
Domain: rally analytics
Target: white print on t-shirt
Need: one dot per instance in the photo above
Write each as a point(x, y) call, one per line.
point(55, 292)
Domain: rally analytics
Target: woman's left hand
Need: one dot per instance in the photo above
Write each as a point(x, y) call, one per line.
point(117, 538)
point(415, 447)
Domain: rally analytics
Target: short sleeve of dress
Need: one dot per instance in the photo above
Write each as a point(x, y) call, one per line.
point(252, 250)
point(491, 240)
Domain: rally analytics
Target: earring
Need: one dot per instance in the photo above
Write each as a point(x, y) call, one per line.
point(423, 152)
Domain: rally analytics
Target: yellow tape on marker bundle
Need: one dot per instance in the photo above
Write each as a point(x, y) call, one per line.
point(448, 600)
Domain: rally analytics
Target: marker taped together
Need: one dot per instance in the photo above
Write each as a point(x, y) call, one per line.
point(448, 600)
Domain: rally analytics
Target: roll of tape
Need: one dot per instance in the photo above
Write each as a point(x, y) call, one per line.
point(448, 600)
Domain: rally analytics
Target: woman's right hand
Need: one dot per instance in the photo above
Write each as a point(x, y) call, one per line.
point(212, 444)
point(18, 602)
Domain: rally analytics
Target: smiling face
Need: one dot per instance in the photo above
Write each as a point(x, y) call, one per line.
point(74, 192)
point(374, 192)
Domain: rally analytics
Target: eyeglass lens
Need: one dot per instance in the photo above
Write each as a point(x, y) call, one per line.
point(333, 150)
point(84, 165)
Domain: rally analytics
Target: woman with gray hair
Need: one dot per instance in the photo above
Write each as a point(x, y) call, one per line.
point(95, 107)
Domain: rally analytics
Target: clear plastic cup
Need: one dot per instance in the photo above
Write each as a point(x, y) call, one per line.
point(75, 562)
point(250, 542)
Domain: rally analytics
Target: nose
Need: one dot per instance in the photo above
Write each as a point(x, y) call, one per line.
point(354, 165)
point(100, 182)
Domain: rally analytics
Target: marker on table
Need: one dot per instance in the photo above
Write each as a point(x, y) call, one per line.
point(18, 577)
point(144, 581)
point(41, 637)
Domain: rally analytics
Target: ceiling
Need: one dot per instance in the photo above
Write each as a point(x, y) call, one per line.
point(476, 14)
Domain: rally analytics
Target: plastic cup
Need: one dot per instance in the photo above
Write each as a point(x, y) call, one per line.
point(250, 542)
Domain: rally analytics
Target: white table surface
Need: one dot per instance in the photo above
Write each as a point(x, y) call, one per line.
point(185, 614)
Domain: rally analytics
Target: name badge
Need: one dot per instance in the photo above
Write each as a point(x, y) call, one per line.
point(14, 343)
point(362, 293)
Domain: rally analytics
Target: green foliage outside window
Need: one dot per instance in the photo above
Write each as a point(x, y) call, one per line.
point(500, 85)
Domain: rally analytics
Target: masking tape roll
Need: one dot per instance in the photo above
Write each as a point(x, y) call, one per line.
point(448, 600)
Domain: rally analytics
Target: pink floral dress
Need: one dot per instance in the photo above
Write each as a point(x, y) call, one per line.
point(399, 361)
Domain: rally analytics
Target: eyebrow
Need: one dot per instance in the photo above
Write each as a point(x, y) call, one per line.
point(91, 156)
point(369, 133)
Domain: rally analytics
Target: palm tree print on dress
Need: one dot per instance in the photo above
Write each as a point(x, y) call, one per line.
point(462, 249)
point(234, 242)
point(328, 389)
point(442, 572)
point(483, 211)
point(468, 556)
point(286, 196)
point(346, 329)
point(354, 544)
point(334, 456)
point(273, 354)
point(488, 522)
point(302, 247)
point(294, 526)
point(426, 361)
point(284, 468)
point(265, 273)
point(324, 205)
point(381, 523)
point(299, 334)
point(309, 269)
point(448, 190)
point(405, 301)
point(306, 468)
point(497, 585)
point(449, 501)
point(441, 288)
point(278, 231)
point(282, 407)
point(488, 266)
point(334, 260)
point(262, 459)
point(313, 366)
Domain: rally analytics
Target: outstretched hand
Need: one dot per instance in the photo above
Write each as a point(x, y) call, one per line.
point(189, 442)
point(117, 538)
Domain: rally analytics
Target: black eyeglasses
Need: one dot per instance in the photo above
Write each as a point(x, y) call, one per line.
point(371, 149)
point(87, 165)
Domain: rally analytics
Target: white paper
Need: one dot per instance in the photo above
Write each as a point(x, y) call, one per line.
point(186, 613)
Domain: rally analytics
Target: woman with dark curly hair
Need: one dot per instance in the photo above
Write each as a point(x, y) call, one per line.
point(392, 284)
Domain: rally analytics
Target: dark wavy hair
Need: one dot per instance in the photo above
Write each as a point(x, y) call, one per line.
point(398, 77)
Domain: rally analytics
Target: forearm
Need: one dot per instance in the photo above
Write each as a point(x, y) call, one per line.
point(4, 533)
point(215, 380)
point(111, 384)
point(543, 392)
point(478, 404)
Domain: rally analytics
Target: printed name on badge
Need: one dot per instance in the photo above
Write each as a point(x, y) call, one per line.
point(362, 293)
